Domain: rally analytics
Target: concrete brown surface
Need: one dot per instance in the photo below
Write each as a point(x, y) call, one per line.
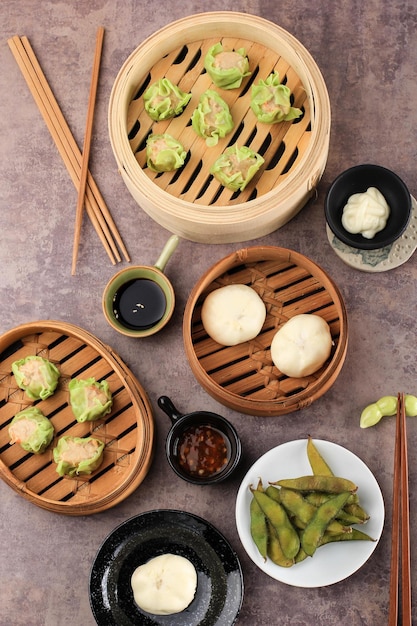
point(366, 52)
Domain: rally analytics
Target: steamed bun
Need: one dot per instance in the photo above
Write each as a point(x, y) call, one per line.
point(302, 345)
point(164, 585)
point(233, 314)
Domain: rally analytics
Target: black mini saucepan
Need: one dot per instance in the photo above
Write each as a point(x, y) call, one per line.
point(201, 447)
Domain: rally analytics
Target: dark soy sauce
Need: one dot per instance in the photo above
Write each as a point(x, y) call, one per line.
point(139, 304)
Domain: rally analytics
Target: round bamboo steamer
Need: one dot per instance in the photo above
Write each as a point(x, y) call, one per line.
point(243, 377)
point(128, 431)
point(190, 202)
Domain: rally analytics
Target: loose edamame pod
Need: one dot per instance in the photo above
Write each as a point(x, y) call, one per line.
point(386, 406)
point(410, 405)
point(328, 484)
point(314, 531)
point(276, 514)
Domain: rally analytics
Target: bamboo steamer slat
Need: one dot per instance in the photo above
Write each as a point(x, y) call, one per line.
point(243, 377)
point(128, 431)
point(190, 202)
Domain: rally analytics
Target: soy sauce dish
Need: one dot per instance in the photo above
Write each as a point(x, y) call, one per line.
point(201, 447)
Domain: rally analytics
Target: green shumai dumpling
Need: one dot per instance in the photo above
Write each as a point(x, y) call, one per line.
point(226, 68)
point(270, 101)
point(164, 153)
point(32, 430)
point(236, 167)
point(77, 456)
point(212, 118)
point(89, 399)
point(37, 376)
point(164, 100)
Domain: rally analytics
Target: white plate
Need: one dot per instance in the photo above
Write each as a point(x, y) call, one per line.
point(332, 562)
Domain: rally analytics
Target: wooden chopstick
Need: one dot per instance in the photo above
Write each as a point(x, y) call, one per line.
point(87, 146)
point(95, 205)
point(400, 542)
point(59, 130)
point(405, 525)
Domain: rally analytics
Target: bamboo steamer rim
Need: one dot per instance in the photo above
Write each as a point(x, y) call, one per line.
point(143, 454)
point(307, 172)
point(249, 405)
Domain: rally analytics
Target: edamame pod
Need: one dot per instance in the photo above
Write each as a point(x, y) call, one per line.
point(258, 528)
point(318, 497)
point(328, 484)
point(276, 514)
point(317, 462)
point(274, 493)
point(386, 406)
point(410, 405)
point(304, 512)
point(357, 511)
point(275, 552)
point(355, 535)
point(313, 533)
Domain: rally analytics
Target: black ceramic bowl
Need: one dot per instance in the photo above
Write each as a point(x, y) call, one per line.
point(216, 460)
point(357, 179)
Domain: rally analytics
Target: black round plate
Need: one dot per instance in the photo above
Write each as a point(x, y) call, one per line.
point(219, 594)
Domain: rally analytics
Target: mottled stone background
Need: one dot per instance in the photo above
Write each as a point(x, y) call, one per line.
point(367, 53)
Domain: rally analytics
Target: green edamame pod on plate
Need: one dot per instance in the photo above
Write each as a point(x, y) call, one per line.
point(327, 484)
point(276, 514)
point(303, 511)
point(357, 511)
point(318, 497)
point(258, 525)
point(258, 528)
point(275, 552)
point(274, 493)
point(313, 533)
point(317, 462)
point(355, 535)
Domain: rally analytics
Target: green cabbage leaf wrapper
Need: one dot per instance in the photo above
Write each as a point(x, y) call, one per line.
point(89, 399)
point(226, 69)
point(236, 167)
point(37, 376)
point(270, 101)
point(212, 118)
point(68, 451)
point(164, 153)
point(37, 432)
point(164, 100)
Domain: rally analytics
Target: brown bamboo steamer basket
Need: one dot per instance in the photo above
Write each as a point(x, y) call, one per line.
point(189, 202)
point(128, 431)
point(243, 377)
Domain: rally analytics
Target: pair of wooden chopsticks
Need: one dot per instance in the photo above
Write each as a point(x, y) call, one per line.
point(76, 163)
point(400, 544)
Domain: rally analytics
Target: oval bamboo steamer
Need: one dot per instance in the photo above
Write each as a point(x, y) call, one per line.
point(128, 431)
point(190, 202)
point(243, 377)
